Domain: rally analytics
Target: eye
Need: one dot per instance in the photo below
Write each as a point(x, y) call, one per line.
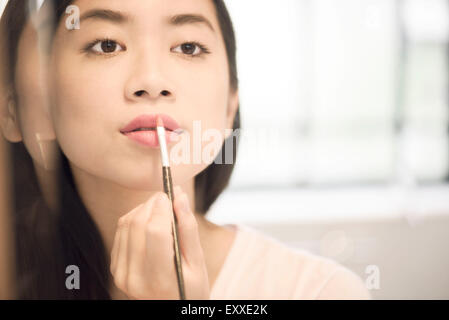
point(191, 49)
point(105, 46)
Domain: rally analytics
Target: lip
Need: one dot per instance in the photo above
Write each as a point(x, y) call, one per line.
point(150, 121)
point(149, 138)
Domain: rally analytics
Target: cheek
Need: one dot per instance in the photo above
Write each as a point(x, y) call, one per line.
point(208, 95)
point(205, 96)
point(83, 112)
point(85, 98)
point(206, 131)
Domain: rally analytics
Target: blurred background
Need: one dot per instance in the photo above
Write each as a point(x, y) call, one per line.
point(344, 141)
point(344, 149)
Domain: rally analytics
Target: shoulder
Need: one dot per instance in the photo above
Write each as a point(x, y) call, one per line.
point(300, 274)
point(344, 284)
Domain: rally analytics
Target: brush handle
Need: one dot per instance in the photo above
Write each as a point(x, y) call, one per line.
point(168, 189)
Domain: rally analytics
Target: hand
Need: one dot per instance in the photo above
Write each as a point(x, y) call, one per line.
point(142, 257)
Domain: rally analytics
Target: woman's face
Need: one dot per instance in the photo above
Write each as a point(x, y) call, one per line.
point(33, 124)
point(97, 86)
point(32, 105)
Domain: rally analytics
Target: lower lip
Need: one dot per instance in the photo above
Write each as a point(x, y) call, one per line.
point(148, 138)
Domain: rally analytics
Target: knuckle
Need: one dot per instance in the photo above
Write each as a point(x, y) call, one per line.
point(123, 221)
point(153, 229)
point(158, 233)
point(138, 221)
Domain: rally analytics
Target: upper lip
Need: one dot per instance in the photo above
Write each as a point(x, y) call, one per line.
point(149, 121)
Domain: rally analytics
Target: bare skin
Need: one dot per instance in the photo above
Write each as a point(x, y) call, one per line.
point(215, 240)
point(113, 176)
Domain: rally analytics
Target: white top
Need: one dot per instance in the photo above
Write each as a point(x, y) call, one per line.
point(260, 267)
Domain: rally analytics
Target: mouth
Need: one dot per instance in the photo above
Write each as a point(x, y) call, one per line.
point(147, 129)
point(143, 129)
point(148, 122)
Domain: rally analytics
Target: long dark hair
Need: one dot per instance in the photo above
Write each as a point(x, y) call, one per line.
point(47, 241)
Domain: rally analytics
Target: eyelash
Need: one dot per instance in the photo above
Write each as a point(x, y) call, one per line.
point(203, 48)
point(88, 48)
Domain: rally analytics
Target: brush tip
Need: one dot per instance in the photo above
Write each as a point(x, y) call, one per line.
point(159, 122)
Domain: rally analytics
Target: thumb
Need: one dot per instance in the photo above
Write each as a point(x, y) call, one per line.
point(187, 229)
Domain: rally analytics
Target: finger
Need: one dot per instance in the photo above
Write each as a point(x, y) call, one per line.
point(136, 240)
point(187, 229)
point(159, 237)
point(116, 243)
point(122, 256)
point(115, 247)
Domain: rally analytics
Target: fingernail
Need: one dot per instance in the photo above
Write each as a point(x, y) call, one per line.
point(160, 199)
point(185, 200)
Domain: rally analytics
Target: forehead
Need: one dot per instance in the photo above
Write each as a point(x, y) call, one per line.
point(152, 11)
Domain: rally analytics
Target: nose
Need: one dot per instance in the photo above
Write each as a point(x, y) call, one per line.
point(148, 80)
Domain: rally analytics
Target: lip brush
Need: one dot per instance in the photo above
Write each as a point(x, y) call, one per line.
point(168, 188)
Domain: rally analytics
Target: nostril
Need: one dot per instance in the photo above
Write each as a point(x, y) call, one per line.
point(142, 92)
point(139, 93)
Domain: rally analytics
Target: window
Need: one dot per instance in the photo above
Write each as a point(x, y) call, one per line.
point(344, 92)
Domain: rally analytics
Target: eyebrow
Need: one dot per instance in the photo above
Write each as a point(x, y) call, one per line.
point(120, 18)
point(104, 14)
point(183, 19)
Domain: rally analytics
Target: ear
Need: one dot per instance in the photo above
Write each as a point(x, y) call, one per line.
point(8, 118)
point(233, 105)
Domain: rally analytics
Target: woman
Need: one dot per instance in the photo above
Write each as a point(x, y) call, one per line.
point(122, 60)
